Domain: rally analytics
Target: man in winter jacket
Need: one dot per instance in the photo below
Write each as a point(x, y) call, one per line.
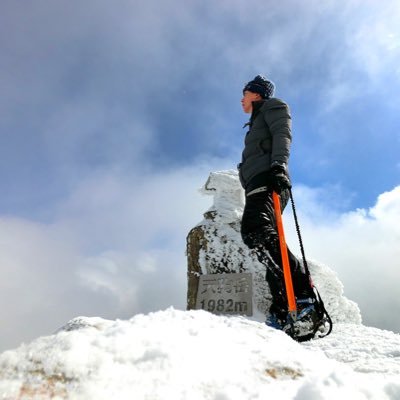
point(264, 169)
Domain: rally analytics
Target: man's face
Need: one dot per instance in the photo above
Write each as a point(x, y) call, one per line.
point(247, 99)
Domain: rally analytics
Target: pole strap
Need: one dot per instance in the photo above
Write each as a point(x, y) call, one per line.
point(296, 221)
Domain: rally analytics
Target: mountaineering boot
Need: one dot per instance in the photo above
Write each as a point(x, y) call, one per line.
point(274, 322)
point(308, 320)
point(277, 317)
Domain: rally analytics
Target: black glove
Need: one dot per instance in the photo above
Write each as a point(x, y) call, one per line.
point(278, 179)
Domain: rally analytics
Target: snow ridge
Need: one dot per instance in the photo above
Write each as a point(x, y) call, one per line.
point(190, 355)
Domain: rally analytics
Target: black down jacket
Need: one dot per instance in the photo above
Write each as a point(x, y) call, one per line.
point(267, 143)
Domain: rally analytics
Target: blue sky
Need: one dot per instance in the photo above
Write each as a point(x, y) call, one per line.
point(112, 111)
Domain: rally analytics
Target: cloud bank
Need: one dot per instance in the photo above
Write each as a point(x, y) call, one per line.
point(114, 247)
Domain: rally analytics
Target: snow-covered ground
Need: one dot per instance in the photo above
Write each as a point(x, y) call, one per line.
point(195, 355)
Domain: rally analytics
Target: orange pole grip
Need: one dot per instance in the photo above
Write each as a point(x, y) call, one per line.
point(284, 253)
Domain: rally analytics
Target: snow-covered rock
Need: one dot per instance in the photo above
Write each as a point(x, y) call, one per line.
point(194, 355)
point(215, 246)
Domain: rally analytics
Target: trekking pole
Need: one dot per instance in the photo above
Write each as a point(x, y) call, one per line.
point(285, 258)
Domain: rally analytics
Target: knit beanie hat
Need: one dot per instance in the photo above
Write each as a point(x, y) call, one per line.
point(262, 86)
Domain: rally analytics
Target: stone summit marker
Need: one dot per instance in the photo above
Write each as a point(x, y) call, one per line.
point(230, 293)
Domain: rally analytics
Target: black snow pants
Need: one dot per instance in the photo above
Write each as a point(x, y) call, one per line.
point(259, 232)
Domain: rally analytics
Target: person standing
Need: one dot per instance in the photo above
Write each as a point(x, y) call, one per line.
point(262, 170)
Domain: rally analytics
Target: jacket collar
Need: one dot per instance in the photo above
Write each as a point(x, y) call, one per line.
point(256, 109)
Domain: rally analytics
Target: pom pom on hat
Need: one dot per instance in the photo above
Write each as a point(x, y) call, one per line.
point(262, 86)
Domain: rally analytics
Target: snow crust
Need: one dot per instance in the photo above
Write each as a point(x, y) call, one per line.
point(228, 195)
point(195, 355)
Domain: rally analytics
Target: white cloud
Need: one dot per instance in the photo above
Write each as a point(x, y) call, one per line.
point(37, 286)
point(376, 42)
point(114, 248)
